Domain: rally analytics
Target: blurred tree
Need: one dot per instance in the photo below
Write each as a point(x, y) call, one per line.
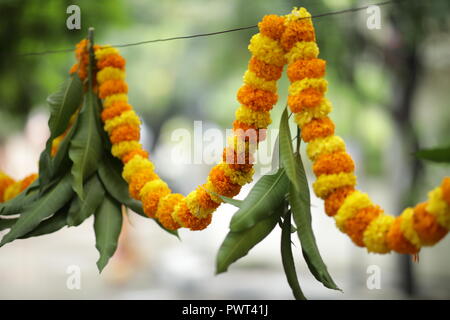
point(30, 26)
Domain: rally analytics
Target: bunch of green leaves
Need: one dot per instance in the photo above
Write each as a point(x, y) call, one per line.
point(280, 198)
point(82, 179)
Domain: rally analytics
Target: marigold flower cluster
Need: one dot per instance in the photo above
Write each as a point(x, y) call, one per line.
point(355, 214)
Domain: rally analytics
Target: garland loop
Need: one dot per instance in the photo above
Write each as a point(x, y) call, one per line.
point(282, 40)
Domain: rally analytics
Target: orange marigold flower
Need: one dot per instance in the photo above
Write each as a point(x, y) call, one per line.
point(81, 48)
point(355, 226)
point(125, 132)
point(445, 186)
point(256, 99)
point(426, 226)
point(111, 87)
point(248, 131)
point(300, 30)
point(188, 220)
point(264, 70)
point(25, 183)
point(130, 155)
point(239, 162)
point(74, 68)
point(317, 128)
point(272, 26)
point(150, 201)
point(82, 73)
point(301, 69)
point(115, 110)
point(138, 181)
point(112, 60)
point(308, 98)
point(397, 241)
point(222, 183)
point(333, 163)
point(204, 199)
point(165, 208)
point(335, 200)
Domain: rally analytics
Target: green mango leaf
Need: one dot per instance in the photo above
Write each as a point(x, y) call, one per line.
point(61, 161)
point(288, 259)
point(107, 226)
point(45, 170)
point(50, 225)
point(109, 172)
point(287, 152)
point(301, 210)
point(441, 155)
point(43, 208)
point(80, 209)
point(17, 204)
point(237, 244)
point(235, 202)
point(7, 223)
point(86, 145)
point(262, 201)
point(276, 154)
point(63, 104)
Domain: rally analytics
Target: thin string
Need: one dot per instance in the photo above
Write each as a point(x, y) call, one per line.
point(350, 10)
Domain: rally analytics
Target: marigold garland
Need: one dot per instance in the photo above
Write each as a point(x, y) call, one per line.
point(256, 97)
point(355, 214)
point(282, 40)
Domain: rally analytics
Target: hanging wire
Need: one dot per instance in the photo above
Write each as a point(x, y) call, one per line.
point(350, 10)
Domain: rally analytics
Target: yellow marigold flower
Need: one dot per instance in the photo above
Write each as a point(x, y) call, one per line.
point(12, 191)
point(325, 145)
point(135, 165)
point(375, 234)
point(297, 14)
point(326, 183)
point(127, 117)
point(150, 195)
point(5, 182)
point(109, 101)
point(259, 119)
point(186, 219)
point(120, 149)
point(240, 145)
point(237, 177)
point(104, 52)
point(298, 86)
point(352, 204)
point(438, 207)
point(110, 73)
point(319, 112)
point(407, 227)
point(267, 50)
point(251, 79)
point(209, 187)
point(194, 206)
point(302, 51)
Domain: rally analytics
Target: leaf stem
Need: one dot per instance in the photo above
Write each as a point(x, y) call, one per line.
point(91, 57)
